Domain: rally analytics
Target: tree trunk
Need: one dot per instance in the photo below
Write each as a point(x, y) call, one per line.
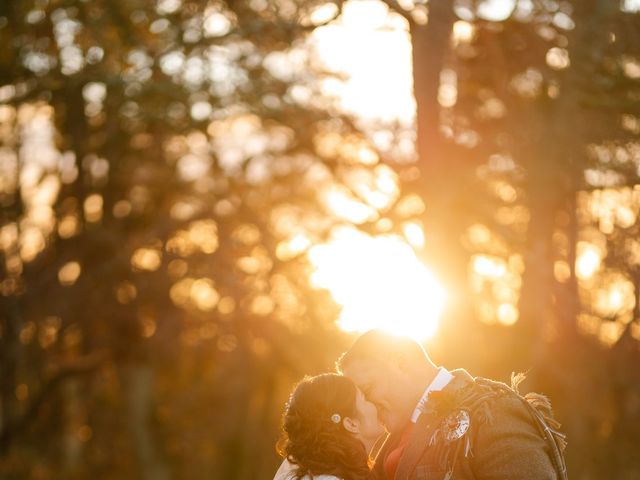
point(10, 341)
point(441, 172)
point(138, 390)
point(73, 420)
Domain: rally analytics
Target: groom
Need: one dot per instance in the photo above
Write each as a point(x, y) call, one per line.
point(448, 425)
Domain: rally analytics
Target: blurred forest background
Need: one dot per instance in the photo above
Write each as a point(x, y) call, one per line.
point(194, 198)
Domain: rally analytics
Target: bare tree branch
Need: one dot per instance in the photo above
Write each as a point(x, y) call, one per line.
point(60, 373)
point(395, 6)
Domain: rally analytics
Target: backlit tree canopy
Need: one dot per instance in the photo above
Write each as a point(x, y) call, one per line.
point(164, 167)
point(196, 206)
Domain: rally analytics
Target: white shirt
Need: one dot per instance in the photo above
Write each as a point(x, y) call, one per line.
point(441, 380)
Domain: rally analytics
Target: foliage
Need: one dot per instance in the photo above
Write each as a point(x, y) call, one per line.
point(164, 170)
point(166, 166)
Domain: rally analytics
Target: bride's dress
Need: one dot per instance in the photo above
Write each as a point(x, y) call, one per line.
point(285, 472)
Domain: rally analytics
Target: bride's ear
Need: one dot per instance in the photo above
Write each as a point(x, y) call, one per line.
point(350, 425)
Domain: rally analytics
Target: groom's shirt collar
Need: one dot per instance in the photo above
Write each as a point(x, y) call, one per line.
point(441, 380)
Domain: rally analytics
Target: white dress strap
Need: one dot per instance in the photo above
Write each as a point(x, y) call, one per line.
point(286, 472)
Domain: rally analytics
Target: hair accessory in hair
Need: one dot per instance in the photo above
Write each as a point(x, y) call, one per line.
point(335, 418)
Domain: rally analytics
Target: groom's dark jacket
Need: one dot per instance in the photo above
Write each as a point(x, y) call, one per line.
point(477, 428)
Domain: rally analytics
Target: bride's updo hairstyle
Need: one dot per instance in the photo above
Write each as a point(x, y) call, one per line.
point(313, 436)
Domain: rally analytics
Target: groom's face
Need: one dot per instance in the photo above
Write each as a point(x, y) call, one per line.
point(387, 386)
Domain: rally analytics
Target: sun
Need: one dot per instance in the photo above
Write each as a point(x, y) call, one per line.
point(379, 282)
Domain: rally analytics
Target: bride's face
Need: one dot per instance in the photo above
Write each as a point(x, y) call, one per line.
point(370, 427)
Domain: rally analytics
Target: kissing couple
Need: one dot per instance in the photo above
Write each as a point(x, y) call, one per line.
point(391, 414)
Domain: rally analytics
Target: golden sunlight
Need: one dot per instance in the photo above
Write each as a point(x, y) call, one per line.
point(588, 261)
point(379, 282)
point(372, 46)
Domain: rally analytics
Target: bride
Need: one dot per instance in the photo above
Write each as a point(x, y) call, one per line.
point(328, 431)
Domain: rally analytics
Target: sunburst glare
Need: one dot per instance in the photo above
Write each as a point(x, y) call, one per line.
point(379, 282)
